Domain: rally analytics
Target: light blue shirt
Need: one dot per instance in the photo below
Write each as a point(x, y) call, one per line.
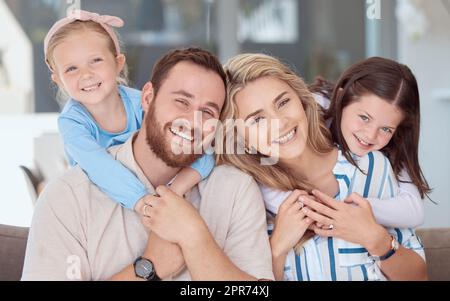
point(333, 259)
point(86, 144)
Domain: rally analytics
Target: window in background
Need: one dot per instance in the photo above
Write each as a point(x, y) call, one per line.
point(329, 35)
point(268, 21)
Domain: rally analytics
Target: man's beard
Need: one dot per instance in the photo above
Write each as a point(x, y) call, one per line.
point(156, 139)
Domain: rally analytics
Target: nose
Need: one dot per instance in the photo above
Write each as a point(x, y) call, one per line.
point(86, 73)
point(278, 125)
point(191, 121)
point(371, 133)
point(283, 125)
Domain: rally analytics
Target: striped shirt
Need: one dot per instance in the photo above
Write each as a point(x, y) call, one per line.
point(333, 259)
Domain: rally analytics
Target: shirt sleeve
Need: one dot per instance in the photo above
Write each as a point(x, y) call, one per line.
point(273, 198)
point(322, 101)
point(114, 179)
point(56, 243)
point(247, 243)
point(405, 210)
point(204, 166)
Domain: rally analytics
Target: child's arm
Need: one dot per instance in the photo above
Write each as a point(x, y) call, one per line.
point(273, 198)
point(403, 211)
point(188, 177)
point(117, 181)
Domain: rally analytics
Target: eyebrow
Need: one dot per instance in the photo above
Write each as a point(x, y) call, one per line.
point(189, 95)
point(90, 56)
point(389, 127)
point(370, 116)
point(214, 106)
point(66, 66)
point(274, 102)
point(279, 97)
point(183, 93)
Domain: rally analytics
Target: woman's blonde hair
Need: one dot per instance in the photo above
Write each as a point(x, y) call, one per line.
point(79, 26)
point(244, 69)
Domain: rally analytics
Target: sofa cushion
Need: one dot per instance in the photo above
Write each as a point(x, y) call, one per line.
point(437, 251)
point(13, 242)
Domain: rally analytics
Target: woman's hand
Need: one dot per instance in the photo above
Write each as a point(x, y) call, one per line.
point(351, 220)
point(290, 225)
point(173, 218)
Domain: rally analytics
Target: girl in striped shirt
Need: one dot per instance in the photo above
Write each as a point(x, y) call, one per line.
point(310, 169)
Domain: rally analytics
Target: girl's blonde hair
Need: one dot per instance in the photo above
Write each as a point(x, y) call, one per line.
point(244, 69)
point(79, 26)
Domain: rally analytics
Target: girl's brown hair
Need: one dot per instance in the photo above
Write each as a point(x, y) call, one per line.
point(396, 84)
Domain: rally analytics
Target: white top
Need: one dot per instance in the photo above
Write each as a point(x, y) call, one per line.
point(327, 258)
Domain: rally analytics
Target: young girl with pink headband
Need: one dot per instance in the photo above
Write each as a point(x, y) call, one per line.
point(83, 54)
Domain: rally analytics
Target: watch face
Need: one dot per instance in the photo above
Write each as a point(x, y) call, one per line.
point(144, 268)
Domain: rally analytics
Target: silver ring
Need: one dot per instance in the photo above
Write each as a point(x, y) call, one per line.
point(301, 205)
point(331, 227)
point(145, 210)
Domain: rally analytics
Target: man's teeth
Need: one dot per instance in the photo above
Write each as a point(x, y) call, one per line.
point(92, 88)
point(182, 135)
point(285, 139)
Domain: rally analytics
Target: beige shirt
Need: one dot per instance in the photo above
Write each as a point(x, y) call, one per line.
point(78, 233)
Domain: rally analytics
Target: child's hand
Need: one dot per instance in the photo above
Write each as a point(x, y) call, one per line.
point(140, 205)
point(141, 208)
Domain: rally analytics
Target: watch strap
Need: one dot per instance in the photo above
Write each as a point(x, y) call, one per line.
point(390, 253)
point(152, 277)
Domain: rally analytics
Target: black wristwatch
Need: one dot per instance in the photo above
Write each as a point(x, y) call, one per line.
point(394, 248)
point(144, 269)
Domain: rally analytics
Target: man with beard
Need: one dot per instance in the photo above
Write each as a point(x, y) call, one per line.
point(218, 232)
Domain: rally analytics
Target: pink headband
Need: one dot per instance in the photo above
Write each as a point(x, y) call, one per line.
point(107, 22)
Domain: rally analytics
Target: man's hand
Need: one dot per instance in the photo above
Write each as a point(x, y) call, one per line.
point(140, 208)
point(174, 218)
point(166, 256)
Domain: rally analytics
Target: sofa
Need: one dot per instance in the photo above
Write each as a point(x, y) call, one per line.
point(13, 243)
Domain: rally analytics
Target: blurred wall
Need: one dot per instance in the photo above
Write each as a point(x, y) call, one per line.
point(429, 58)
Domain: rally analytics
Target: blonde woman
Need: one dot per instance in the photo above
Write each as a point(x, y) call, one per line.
point(324, 230)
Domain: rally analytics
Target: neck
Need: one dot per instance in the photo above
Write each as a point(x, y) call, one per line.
point(112, 103)
point(155, 170)
point(110, 113)
point(313, 167)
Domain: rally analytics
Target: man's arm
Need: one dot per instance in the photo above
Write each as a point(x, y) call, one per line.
point(246, 254)
point(207, 262)
point(166, 257)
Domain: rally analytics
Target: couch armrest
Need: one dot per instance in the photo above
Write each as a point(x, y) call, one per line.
point(13, 242)
point(437, 251)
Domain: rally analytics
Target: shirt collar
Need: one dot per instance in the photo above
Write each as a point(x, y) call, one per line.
point(124, 153)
